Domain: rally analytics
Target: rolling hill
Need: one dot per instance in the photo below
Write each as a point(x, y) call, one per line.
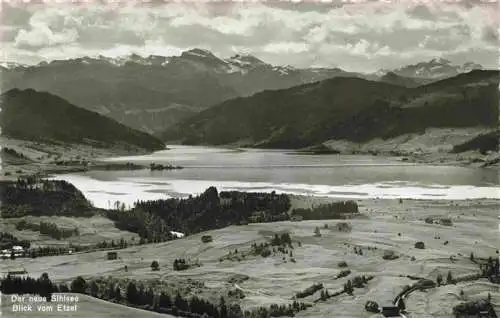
point(39, 116)
point(344, 108)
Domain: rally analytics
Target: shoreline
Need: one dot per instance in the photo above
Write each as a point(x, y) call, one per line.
point(468, 159)
point(41, 159)
point(22, 157)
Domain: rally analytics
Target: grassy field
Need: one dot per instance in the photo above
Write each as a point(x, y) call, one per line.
point(387, 225)
point(92, 230)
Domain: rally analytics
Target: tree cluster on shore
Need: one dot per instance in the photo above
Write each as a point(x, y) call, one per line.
point(211, 210)
point(153, 220)
point(34, 196)
point(150, 227)
point(335, 210)
point(160, 167)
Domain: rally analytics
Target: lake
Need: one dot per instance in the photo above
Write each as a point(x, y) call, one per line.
point(339, 176)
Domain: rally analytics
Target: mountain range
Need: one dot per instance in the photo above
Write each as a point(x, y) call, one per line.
point(154, 93)
point(343, 108)
point(43, 117)
point(436, 69)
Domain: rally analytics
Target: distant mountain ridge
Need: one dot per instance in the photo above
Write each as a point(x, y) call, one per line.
point(438, 68)
point(155, 92)
point(40, 116)
point(341, 108)
point(152, 93)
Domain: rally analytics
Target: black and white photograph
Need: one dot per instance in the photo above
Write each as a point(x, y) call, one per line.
point(249, 159)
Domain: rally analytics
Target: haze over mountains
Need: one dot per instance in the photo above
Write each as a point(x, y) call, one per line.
point(156, 92)
point(342, 108)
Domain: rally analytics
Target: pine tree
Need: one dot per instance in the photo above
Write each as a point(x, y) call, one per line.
point(439, 279)
point(132, 293)
point(449, 278)
point(401, 304)
point(79, 285)
point(317, 231)
point(180, 303)
point(94, 289)
point(155, 266)
point(223, 308)
point(165, 300)
point(118, 294)
point(348, 287)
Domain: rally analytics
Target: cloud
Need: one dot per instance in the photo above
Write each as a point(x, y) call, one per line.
point(490, 35)
point(41, 36)
point(361, 36)
point(286, 47)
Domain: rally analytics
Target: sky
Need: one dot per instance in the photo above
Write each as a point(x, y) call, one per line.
point(356, 36)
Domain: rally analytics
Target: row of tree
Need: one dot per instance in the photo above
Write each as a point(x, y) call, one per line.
point(143, 298)
point(48, 228)
point(42, 251)
point(176, 304)
point(42, 286)
point(335, 210)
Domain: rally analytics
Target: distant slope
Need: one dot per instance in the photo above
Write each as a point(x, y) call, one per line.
point(393, 78)
point(483, 143)
point(353, 109)
point(32, 115)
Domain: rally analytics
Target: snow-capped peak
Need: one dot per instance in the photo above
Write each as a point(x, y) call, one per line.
point(283, 70)
point(436, 68)
point(245, 60)
point(440, 61)
point(199, 53)
point(11, 65)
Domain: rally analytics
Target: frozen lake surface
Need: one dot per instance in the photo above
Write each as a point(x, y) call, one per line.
point(337, 176)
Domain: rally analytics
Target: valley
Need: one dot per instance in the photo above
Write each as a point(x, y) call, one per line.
point(235, 162)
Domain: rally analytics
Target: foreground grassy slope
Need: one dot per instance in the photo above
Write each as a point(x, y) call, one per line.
point(87, 307)
point(272, 280)
point(31, 115)
point(344, 108)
